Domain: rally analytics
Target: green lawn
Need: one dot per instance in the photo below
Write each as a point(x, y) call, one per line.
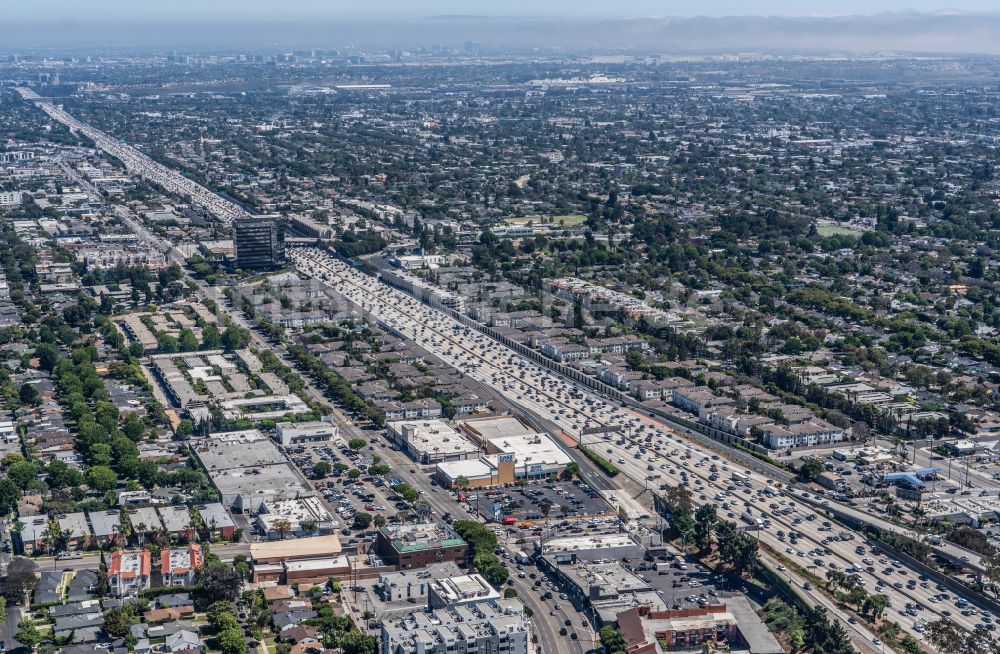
point(834, 230)
point(569, 220)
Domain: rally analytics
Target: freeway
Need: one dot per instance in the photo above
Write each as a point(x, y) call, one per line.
point(574, 410)
point(954, 553)
point(137, 162)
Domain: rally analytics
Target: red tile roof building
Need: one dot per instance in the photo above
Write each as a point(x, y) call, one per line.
point(128, 572)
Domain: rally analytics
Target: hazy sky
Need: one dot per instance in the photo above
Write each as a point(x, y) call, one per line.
point(179, 10)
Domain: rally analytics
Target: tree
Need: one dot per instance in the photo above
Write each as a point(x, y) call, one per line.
point(215, 611)
point(991, 565)
point(321, 469)
point(362, 520)
point(491, 567)
point(308, 527)
point(571, 470)
point(354, 473)
point(3, 608)
point(101, 478)
point(684, 525)
point(875, 606)
point(282, 527)
point(231, 338)
point(824, 635)
point(356, 642)
point(217, 582)
point(185, 428)
point(27, 634)
point(133, 427)
point(22, 473)
point(612, 639)
point(480, 538)
point(117, 623)
point(356, 443)
point(231, 641)
point(48, 356)
point(379, 521)
point(810, 470)
point(737, 550)
point(28, 394)
point(678, 499)
point(461, 483)
point(946, 636)
point(188, 342)
point(704, 525)
point(407, 492)
point(211, 338)
point(242, 567)
point(20, 578)
point(9, 495)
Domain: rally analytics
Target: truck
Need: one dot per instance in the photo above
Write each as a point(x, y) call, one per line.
point(522, 557)
point(756, 523)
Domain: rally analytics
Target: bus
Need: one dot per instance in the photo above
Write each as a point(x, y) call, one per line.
point(756, 523)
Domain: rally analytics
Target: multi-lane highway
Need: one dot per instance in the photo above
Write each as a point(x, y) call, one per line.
point(665, 455)
point(137, 162)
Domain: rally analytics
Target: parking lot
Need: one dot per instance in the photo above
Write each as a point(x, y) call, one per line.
point(526, 504)
point(345, 496)
point(683, 584)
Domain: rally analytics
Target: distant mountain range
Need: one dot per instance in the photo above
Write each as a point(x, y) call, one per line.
point(943, 32)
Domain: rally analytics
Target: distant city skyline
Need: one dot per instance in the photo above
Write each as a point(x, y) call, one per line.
point(54, 11)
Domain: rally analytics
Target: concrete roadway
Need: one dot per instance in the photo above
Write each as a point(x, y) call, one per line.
point(536, 390)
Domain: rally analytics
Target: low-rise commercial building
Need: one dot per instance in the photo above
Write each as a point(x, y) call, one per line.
point(297, 433)
point(448, 592)
point(301, 516)
point(594, 547)
point(431, 441)
point(414, 546)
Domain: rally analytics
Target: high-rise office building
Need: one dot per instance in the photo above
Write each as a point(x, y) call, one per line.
point(260, 243)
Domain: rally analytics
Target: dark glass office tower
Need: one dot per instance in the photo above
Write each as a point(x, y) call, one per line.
point(260, 243)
